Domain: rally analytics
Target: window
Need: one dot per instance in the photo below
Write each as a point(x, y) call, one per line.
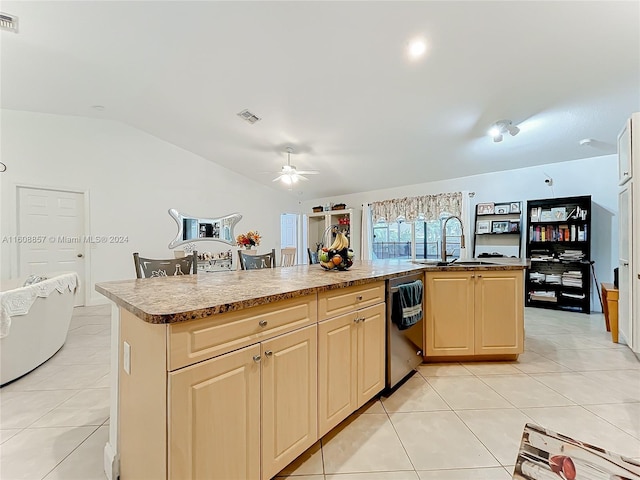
point(393, 240)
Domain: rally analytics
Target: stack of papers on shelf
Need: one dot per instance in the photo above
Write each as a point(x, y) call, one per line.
point(572, 279)
point(553, 278)
point(579, 296)
point(536, 277)
point(571, 255)
point(541, 257)
point(543, 296)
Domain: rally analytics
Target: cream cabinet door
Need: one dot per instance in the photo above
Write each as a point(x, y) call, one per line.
point(371, 352)
point(214, 418)
point(337, 370)
point(499, 312)
point(289, 398)
point(449, 317)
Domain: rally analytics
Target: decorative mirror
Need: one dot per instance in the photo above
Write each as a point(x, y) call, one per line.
point(191, 229)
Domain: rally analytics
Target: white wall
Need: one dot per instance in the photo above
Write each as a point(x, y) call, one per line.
point(132, 179)
point(597, 176)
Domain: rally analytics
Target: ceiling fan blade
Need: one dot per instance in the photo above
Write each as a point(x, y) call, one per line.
point(277, 178)
point(301, 177)
point(307, 172)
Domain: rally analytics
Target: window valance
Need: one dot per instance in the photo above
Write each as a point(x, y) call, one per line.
point(428, 207)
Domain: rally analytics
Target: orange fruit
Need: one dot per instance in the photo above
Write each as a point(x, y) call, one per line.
point(336, 259)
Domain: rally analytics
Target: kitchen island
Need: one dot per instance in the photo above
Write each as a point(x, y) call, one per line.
point(236, 374)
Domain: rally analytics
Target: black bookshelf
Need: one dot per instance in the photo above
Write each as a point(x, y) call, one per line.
point(559, 247)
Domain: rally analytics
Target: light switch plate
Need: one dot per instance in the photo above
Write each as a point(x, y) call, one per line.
point(126, 358)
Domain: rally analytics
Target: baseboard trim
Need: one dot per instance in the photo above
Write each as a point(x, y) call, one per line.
point(111, 463)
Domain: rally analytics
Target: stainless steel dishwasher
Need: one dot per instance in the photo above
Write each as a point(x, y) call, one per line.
point(404, 347)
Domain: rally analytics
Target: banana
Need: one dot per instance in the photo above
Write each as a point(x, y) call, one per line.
point(341, 242)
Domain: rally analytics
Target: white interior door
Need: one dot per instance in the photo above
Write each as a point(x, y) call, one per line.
point(54, 221)
point(625, 232)
point(288, 230)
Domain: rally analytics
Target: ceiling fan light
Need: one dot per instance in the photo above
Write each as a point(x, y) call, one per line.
point(513, 130)
point(494, 131)
point(497, 138)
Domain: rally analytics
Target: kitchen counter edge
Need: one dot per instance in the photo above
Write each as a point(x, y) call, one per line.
point(178, 299)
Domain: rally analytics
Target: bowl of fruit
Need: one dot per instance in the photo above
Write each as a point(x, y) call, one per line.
point(338, 256)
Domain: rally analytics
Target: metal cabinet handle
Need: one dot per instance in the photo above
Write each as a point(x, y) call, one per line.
point(356, 320)
point(473, 276)
point(80, 255)
point(625, 264)
point(625, 173)
point(268, 353)
point(419, 353)
point(262, 323)
point(359, 298)
point(479, 276)
point(257, 358)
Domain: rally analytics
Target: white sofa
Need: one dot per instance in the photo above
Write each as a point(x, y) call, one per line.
point(34, 322)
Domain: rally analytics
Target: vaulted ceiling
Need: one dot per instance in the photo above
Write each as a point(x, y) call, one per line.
point(333, 80)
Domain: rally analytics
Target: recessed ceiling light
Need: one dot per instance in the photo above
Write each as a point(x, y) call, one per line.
point(417, 48)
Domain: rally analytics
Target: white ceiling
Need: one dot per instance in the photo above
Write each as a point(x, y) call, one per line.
point(332, 80)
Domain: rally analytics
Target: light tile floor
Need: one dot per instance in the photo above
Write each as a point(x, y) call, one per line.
point(447, 422)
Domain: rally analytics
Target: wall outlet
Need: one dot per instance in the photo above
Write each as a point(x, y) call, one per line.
point(126, 358)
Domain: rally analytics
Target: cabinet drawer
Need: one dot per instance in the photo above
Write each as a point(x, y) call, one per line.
point(201, 339)
point(337, 302)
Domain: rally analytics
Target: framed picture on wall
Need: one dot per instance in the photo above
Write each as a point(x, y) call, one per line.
point(514, 226)
point(483, 226)
point(514, 207)
point(501, 209)
point(499, 227)
point(485, 208)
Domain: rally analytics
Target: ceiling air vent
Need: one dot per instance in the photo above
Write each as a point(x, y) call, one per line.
point(8, 22)
point(248, 116)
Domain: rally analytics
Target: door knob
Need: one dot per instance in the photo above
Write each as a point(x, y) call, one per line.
point(80, 255)
point(268, 353)
point(256, 358)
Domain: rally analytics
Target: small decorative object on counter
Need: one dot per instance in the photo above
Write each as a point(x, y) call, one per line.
point(339, 206)
point(250, 239)
point(338, 256)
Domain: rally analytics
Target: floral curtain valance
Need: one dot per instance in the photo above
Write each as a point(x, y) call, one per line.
point(429, 206)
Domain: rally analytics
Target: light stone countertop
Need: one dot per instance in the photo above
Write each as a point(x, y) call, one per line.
point(188, 297)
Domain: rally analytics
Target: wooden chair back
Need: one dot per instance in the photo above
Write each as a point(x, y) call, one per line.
point(149, 267)
point(252, 262)
point(288, 257)
point(313, 257)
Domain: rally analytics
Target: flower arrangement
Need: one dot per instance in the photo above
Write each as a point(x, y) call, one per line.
point(249, 239)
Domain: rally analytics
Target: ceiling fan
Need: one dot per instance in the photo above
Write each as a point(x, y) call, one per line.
point(289, 174)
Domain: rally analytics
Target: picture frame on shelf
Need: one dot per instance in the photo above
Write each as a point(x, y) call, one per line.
point(514, 226)
point(499, 226)
point(483, 226)
point(485, 208)
point(546, 216)
point(559, 213)
point(514, 207)
point(501, 209)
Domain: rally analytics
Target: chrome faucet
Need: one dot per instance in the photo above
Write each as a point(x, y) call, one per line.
point(444, 236)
